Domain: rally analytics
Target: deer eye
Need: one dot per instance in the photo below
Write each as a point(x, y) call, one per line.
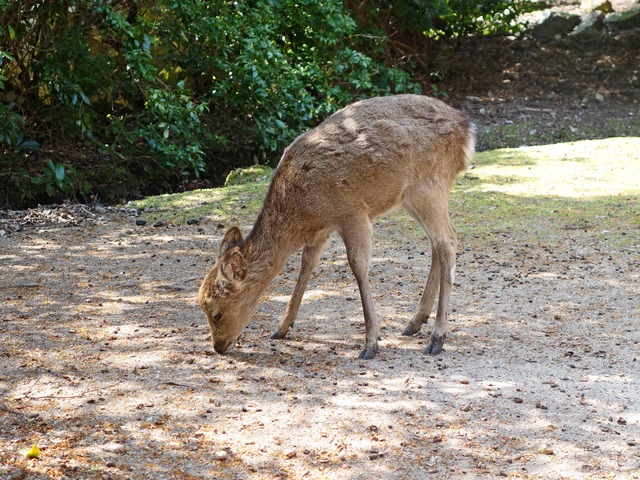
point(217, 317)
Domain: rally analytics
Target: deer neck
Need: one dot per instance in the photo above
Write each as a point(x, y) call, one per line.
point(267, 248)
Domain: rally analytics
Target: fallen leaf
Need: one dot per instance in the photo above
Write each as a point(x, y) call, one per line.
point(34, 452)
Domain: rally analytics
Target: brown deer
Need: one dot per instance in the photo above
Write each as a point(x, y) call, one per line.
point(362, 161)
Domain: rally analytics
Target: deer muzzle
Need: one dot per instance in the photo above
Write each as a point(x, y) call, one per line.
point(221, 346)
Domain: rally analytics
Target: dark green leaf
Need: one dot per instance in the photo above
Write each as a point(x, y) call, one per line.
point(59, 172)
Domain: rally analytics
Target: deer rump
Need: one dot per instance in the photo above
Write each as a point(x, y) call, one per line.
point(364, 160)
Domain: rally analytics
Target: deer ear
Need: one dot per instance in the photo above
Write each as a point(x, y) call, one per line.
point(231, 239)
point(234, 265)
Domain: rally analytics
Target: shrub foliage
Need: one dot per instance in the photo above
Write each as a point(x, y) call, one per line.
point(97, 95)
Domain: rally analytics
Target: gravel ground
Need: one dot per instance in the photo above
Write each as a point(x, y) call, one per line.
point(106, 361)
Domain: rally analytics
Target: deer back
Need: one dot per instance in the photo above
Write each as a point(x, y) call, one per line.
point(363, 157)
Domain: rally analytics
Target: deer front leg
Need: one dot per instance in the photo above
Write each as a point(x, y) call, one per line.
point(357, 239)
point(310, 257)
point(428, 296)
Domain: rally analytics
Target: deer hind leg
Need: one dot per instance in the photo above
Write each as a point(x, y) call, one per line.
point(310, 257)
point(428, 297)
point(446, 247)
point(432, 213)
point(356, 235)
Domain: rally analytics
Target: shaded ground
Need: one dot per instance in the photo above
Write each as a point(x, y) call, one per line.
point(105, 359)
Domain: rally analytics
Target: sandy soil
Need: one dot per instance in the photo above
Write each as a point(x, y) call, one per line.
point(106, 363)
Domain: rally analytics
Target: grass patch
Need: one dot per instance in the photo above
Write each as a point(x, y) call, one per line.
point(581, 170)
point(540, 193)
point(549, 190)
point(231, 204)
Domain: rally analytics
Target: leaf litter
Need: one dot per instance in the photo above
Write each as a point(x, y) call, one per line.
point(106, 362)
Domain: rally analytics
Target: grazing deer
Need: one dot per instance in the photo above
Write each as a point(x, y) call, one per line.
point(362, 161)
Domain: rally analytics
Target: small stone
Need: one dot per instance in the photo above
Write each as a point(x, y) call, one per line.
point(115, 448)
point(221, 455)
point(596, 6)
point(555, 23)
point(141, 223)
point(518, 400)
point(625, 20)
point(540, 405)
point(589, 28)
point(290, 454)
point(110, 464)
point(159, 223)
point(545, 450)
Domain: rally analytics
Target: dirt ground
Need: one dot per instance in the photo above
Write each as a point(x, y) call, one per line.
point(556, 90)
point(106, 361)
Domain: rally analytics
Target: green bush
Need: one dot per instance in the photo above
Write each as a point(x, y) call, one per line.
point(441, 18)
point(461, 17)
point(173, 90)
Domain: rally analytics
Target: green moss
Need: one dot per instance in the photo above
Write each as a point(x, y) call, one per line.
point(530, 194)
point(537, 192)
point(241, 176)
point(233, 204)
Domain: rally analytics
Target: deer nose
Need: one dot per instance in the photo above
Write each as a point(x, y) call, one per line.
point(220, 347)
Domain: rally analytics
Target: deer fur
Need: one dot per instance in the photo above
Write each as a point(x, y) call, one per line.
point(361, 162)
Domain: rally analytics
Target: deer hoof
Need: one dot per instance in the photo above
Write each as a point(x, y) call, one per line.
point(410, 329)
point(368, 353)
point(277, 335)
point(437, 343)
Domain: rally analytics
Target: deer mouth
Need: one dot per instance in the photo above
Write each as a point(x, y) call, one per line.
point(221, 346)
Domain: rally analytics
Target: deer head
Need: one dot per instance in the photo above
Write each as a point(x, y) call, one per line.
point(220, 295)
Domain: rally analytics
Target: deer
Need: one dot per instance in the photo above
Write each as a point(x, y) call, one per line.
point(365, 160)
